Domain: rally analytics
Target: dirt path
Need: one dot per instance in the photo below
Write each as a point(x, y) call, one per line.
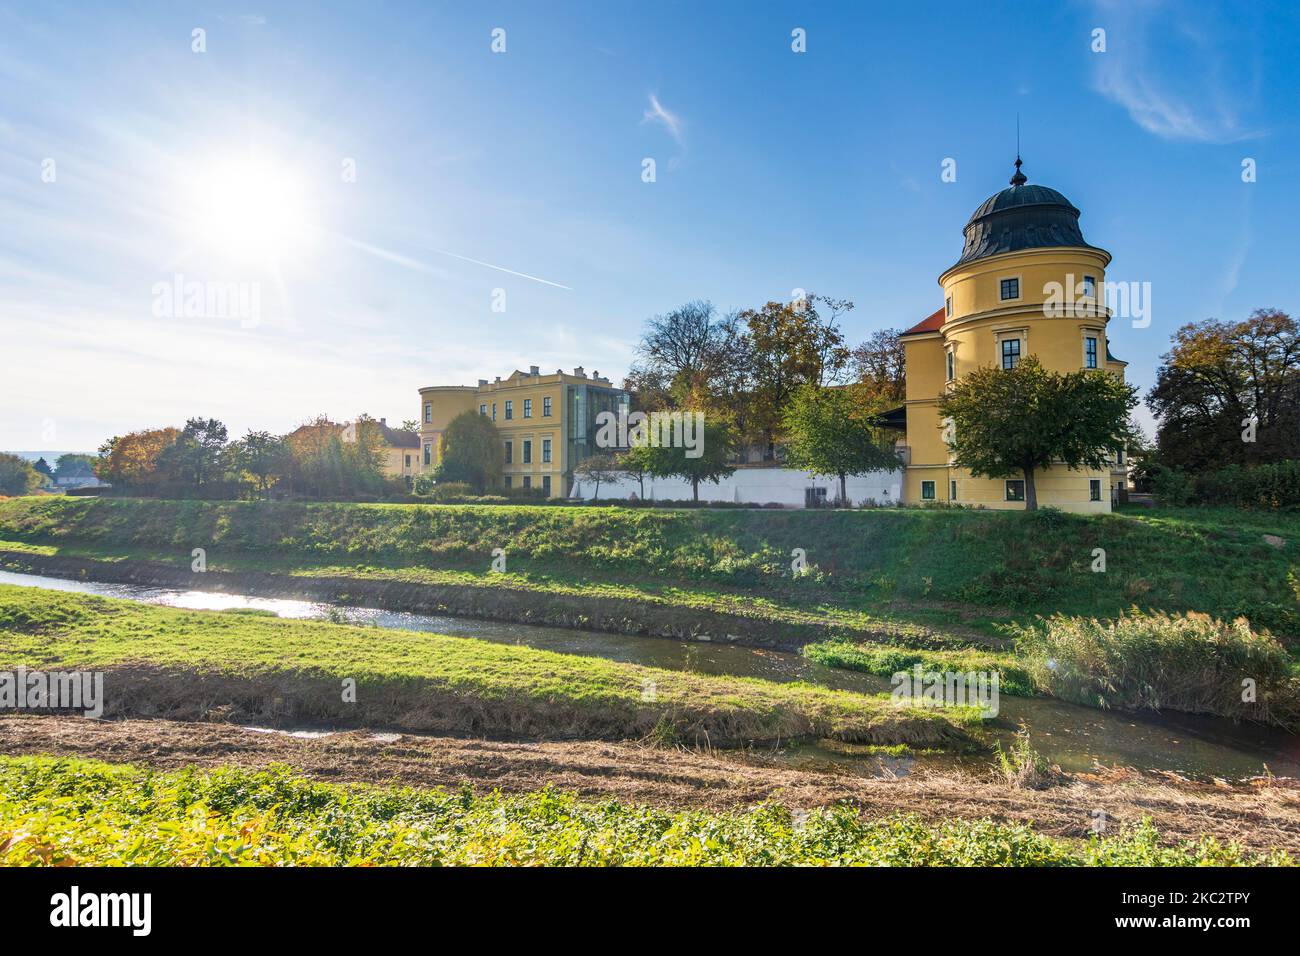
point(1262, 815)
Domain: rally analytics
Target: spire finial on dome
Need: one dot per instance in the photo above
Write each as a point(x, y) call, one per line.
point(1019, 178)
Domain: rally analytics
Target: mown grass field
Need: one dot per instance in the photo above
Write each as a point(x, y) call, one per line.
point(75, 812)
point(194, 664)
point(969, 571)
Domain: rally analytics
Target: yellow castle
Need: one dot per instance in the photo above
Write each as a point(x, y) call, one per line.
point(1026, 284)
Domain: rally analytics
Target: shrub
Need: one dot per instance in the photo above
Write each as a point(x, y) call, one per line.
point(1023, 767)
point(1172, 487)
point(1275, 485)
point(1150, 661)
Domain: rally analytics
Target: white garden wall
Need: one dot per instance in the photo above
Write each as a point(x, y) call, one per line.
point(755, 486)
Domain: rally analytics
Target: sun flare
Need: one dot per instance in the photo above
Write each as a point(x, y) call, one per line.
point(251, 209)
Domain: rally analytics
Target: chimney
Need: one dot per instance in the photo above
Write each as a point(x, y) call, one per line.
point(533, 371)
point(578, 373)
point(595, 374)
point(498, 381)
point(384, 422)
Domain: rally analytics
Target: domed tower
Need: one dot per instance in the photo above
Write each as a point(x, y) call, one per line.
point(1027, 283)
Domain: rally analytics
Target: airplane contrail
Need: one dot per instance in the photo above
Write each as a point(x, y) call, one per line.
point(418, 266)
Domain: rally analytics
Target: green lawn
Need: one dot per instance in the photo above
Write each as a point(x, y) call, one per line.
point(191, 664)
point(73, 812)
point(963, 571)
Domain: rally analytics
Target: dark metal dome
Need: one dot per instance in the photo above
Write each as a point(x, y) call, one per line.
point(1021, 217)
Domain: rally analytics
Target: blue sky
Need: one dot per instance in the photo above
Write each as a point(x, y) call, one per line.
point(775, 170)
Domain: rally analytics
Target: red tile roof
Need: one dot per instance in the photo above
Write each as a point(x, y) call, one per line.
point(929, 324)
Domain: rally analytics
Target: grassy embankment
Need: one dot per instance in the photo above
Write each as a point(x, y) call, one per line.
point(65, 812)
point(954, 588)
point(211, 665)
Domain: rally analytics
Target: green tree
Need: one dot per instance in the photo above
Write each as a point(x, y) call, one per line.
point(72, 464)
point(829, 431)
point(598, 468)
point(44, 468)
point(262, 455)
point(715, 448)
point(17, 476)
point(636, 464)
point(197, 454)
point(472, 452)
point(1021, 420)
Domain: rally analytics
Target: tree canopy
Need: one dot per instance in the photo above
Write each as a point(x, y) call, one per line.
point(17, 475)
point(1217, 377)
point(832, 431)
point(1019, 421)
point(472, 451)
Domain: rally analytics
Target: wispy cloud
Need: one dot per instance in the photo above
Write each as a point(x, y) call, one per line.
point(658, 113)
point(415, 265)
point(1145, 70)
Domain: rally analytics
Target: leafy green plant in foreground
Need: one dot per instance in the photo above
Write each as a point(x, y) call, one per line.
point(69, 812)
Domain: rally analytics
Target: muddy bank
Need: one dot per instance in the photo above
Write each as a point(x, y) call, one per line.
point(293, 698)
point(1263, 814)
point(514, 605)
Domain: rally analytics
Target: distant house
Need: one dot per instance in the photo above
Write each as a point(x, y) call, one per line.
point(399, 452)
point(76, 476)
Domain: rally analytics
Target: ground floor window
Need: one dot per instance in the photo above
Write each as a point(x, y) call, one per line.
point(408, 461)
point(927, 491)
point(528, 481)
point(546, 483)
point(428, 453)
point(952, 490)
point(1094, 489)
point(1015, 489)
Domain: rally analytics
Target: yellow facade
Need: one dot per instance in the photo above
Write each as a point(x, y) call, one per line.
point(546, 423)
point(399, 451)
point(1027, 284)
